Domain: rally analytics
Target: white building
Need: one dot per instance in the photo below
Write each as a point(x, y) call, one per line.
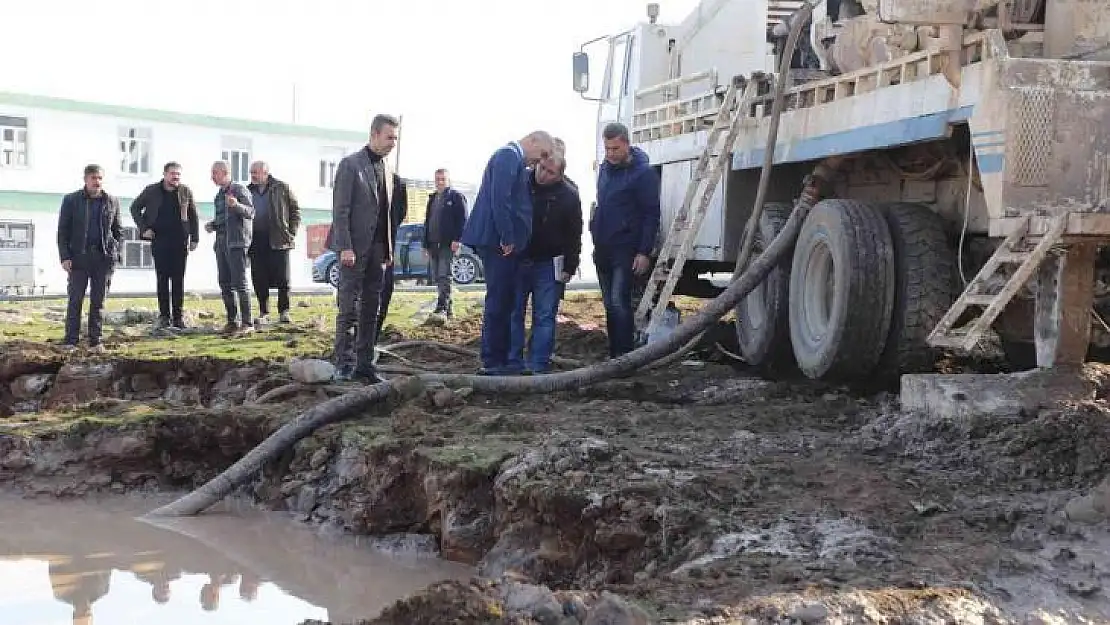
point(46, 142)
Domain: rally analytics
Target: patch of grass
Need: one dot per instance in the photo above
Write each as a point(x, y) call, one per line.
point(310, 335)
point(85, 418)
point(483, 455)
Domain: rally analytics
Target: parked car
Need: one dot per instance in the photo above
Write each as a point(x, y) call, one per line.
point(466, 268)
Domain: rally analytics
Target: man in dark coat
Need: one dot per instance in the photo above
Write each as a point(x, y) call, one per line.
point(549, 263)
point(362, 235)
point(443, 226)
point(277, 216)
point(166, 215)
point(90, 238)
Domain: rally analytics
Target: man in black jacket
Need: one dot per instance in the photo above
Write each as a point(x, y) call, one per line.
point(90, 237)
point(277, 215)
point(399, 210)
point(166, 215)
point(549, 262)
point(443, 226)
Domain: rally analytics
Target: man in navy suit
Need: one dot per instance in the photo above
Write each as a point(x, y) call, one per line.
point(498, 229)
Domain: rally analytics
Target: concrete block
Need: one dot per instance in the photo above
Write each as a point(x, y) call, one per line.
point(965, 394)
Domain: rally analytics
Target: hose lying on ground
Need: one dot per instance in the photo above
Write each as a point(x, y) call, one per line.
point(357, 402)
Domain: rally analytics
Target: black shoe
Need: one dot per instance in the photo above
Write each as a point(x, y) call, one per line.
point(179, 324)
point(367, 377)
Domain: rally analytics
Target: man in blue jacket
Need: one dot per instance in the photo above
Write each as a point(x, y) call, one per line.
point(498, 229)
point(443, 226)
point(624, 227)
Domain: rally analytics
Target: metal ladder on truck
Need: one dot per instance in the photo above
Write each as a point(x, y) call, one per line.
point(683, 232)
point(1014, 251)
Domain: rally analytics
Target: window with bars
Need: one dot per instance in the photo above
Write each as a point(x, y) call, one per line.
point(134, 151)
point(13, 141)
point(237, 153)
point(136, 252)
point(329, 162)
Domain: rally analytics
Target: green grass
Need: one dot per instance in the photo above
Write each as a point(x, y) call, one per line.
point(310, 334)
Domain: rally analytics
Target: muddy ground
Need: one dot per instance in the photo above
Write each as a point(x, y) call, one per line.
point(698, 493)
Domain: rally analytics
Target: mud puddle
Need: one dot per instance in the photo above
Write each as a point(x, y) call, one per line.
point(94, 562)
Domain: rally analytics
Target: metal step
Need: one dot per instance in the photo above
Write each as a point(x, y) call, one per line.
point(965, 337)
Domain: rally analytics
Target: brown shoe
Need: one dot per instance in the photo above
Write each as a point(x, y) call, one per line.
point(229, 329)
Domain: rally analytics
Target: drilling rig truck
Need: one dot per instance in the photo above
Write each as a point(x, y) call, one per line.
point(970, 141)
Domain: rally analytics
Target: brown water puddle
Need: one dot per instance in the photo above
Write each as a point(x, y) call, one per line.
point(94, 562)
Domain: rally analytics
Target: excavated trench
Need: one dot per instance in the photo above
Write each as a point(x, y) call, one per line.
point(696, 493)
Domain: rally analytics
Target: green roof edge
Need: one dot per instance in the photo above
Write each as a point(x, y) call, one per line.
point(173, 117)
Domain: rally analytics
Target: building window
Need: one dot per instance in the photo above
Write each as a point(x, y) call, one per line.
point(13, 141)
point(237, 153)
point(134, 151)
point(329, 162)
point(136, 252)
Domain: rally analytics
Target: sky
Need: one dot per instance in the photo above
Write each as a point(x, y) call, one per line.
point(467, 75)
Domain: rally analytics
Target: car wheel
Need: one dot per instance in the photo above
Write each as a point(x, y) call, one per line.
point(464, 269)
point(333, 274)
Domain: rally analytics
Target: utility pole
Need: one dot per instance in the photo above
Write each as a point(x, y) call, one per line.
point(397, 150)
point(294, 111)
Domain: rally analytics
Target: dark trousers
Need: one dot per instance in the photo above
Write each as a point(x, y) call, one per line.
point(614, 274)
point(439, 272)
point(383, 307)
point(501, 277)
point(536, 281)
point(231, 273)
point(91, 271)
point(169, 270)
point(360, 290)
point(270, 270)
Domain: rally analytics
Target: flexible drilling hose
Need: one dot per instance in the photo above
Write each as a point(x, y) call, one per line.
point(359, 401)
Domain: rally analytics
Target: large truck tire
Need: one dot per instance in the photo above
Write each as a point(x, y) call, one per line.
point(842, 284)
point(763, 317)
point(925, 268)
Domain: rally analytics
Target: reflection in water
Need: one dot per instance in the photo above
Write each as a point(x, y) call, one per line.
point(71, 563)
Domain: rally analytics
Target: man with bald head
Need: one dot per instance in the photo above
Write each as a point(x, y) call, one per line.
point(233, 223)
point(499, 228)
point(277, 215)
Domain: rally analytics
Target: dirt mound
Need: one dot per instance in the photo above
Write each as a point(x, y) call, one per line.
point(1057, 448)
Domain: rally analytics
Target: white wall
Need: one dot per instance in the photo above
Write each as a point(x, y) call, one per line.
point(61, 144)
point(200, 274)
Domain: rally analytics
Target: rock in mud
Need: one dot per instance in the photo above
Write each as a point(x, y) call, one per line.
point(79, 382)
point(813, 613)
point(612, 610)
point(311, 371)
point(31, 386)
point(1094, 507)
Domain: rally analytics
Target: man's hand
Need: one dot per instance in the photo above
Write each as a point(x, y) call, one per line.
point(389, 260)
point(193, 246)
point(210, 227)
point(506, 249)
point(148, 234)
point(67, 265)
point(640, 264)
point(231, 201)
point(564, 277)
point(455, 247)
point(347, 257)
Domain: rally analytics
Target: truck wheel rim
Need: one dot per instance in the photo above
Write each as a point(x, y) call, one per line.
point(818, 292)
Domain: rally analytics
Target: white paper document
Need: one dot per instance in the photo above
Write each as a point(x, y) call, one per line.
point(558, 263)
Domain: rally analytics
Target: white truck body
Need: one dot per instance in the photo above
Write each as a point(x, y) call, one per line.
point(1027, 115)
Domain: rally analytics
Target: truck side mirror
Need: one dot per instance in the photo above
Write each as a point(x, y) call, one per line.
point(581, 62)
